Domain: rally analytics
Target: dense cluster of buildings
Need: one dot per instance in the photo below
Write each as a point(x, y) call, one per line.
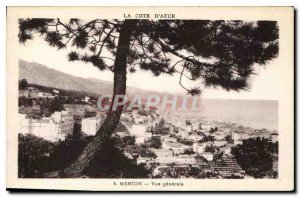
point(57, 126)
point(53, 128)
point(61, 123)
point(194, 148)
point(32, 92)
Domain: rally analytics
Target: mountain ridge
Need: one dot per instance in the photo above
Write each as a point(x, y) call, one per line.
point(42, 75)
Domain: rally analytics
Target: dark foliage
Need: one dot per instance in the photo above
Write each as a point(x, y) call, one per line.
point(188, 122)
point(256, 156)
point(189, 152)
point(23, 84)
point(125, 141)
point(111, 163)
point(67, 151)
point(207, 138)
point(33, 155)
point(161, 128)
point(142, 150)
point(25, 102)
point(221, 53)
point(154, 142)
point(211, 149)
point(229, 139)
point(184, 141)
point(38, 156)
point(56, 105)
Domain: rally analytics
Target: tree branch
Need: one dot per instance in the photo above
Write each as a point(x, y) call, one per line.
point(180, 82)
point(105, 39)
point(165, 47)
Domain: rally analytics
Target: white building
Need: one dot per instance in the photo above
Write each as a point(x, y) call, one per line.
point(91, 125)
point(208, 156)
point(187, 128)
point(238, 142)
point(198, 148)
point(66, 121)
point(54, 128)
point(128, 155)
point(208, 143)
point(206, 126)
point(122, 134)
point(176, 160)
point(177, 148)
point(219, 143)
point(183, 133)
point(219, 135)
point(143, 160)
point(226, 150)
point(147, 135)
point(138, 129)
point(162, 153)
point(168, 139)
point(227, 130)
point(45, 95)
point(195, 137)
point(24, 93)
point(139, 139)
point(236, 136)
point(274, 137)
point(87, 99)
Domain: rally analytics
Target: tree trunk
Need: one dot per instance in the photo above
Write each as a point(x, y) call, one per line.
point(77, 167)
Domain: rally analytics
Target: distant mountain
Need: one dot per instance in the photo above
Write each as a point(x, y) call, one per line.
point(42, 75)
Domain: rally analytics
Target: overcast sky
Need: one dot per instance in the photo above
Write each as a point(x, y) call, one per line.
point(40, 52)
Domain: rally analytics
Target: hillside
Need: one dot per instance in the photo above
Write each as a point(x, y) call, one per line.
point(40, 74)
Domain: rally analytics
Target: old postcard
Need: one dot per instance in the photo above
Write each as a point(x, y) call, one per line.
point(150, 98)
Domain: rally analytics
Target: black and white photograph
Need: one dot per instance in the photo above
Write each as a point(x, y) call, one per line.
point(151, 95)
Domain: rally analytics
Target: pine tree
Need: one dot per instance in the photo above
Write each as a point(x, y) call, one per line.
point(215, 53)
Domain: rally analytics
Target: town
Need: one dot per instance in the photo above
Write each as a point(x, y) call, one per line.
point(167, 144)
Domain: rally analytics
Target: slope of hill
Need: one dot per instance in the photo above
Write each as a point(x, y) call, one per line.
point(39, 74)
point(42, 75)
